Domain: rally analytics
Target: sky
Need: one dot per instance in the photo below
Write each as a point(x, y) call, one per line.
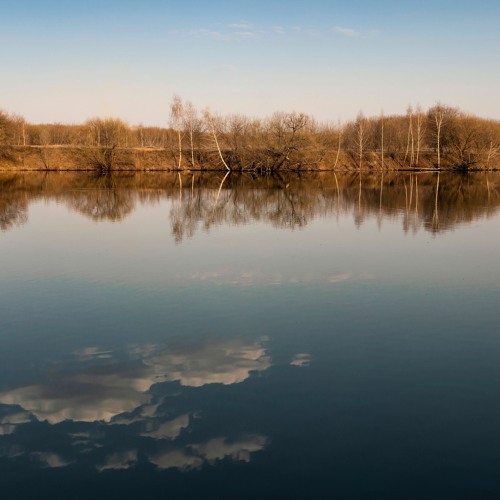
point(68, 61)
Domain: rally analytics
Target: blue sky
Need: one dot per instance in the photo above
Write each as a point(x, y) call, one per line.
point(71, 60)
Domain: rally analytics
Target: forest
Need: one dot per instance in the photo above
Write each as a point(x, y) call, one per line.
point(440, 138)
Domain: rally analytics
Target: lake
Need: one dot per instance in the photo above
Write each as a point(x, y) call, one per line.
point(237, 336)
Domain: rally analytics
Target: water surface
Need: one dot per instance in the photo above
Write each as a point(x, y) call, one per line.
point(236, 337)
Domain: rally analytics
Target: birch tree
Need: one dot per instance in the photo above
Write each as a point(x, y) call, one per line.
point(438, 114)
point(410, 144)
point(340, 133)
point(382, 139)
point(191, 118)
point(176, 115)
point(213, 127)
point(361, 136)
point(420, 130)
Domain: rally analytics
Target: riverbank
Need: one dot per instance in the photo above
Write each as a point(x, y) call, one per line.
point(70, 158)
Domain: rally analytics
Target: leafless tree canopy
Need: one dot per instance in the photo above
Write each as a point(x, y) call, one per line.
point(442, 137)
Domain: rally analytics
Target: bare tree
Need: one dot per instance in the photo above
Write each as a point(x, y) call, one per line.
point(213, 127)
point(438, 114)
point(493, 150)
point(340, 133)
point(191, 118)
point(410, 140)
point(103, 137)
point(361, 137)
point(237, 126)
point(382, 138)
point(420, 124)
point(176, 114)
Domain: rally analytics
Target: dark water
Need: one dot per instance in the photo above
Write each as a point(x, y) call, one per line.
point(286, 337)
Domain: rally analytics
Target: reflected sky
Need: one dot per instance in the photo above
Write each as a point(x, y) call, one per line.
point(105, 391)
point(99, 395)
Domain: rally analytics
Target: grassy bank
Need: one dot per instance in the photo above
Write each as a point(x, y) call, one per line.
point(68, 158)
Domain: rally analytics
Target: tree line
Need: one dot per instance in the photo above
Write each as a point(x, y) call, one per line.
point(440, 137)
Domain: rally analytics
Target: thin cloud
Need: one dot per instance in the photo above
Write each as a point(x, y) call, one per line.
point(242, 26)
point(248, 31)
point(214, 35)
point(245, 34)
point(346, 31)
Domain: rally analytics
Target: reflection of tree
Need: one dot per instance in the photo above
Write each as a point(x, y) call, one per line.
point(103, 201)
point(235, 201)
point(200, 201)
point(13, 203)
point(13, 213)
point(435, 214)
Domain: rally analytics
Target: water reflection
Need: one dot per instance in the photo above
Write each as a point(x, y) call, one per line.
point(429, 201)
point(301, 359)
point(111, 399)
point(193, 456)
point(228, 362)
point(126, 359)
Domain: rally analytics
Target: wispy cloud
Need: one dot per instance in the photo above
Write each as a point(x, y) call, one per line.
point(245, 34)
point(214, 35)
point(247, 31)
point(242, 26)
point(346, 31)
point(231, 32)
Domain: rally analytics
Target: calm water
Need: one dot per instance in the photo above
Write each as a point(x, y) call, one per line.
point(288, 337)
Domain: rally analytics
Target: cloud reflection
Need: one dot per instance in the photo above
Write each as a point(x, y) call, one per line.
point(220, 448)
point(90, 353)
point(105, 401)
point(180, 459)
point(102, 393)
point(194, 456)
point(166, 430)
point(251, 277)
point(51, 460)
point(301, 359)
point(119, 461)
point(228, 362)
point(82, 397)
point(6, 429)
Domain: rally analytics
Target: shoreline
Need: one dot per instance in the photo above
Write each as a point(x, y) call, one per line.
point(54, 158)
